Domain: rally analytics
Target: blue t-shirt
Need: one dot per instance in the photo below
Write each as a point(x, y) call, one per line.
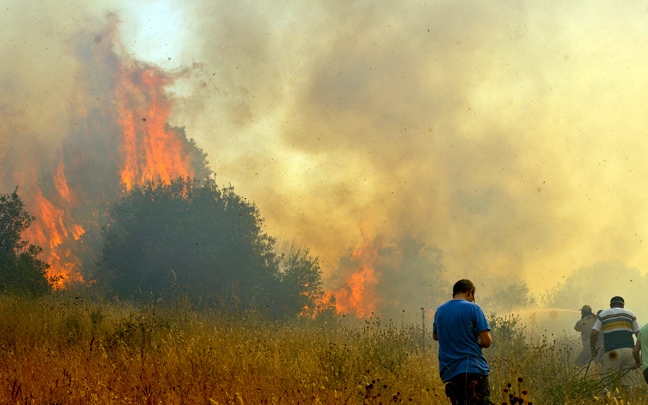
point(457, 324)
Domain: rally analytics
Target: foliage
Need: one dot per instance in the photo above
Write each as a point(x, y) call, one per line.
point(198, 156)
point(87, 155)
point(298, 286)
point(526, 368)
point(171, 353)
point(412, 277)
point(21, 271)
point(202, 240)
point(512, 296)
point(417, 266)
point(62, 348)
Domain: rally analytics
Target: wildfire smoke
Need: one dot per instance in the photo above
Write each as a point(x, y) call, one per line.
point(120, 137)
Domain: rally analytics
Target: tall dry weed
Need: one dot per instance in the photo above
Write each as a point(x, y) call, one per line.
point(69, 349)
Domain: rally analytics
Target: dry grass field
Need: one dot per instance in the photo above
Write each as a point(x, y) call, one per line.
point(64, 349)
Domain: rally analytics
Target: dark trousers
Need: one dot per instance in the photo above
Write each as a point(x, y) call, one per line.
point(468, 389)
point(645, 373)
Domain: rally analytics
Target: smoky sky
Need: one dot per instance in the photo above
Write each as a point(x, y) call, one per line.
point(509, 135)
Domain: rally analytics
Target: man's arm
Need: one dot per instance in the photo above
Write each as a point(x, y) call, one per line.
point(434, 330)
point(593, 337)
point(485, 339)
point(636, 353)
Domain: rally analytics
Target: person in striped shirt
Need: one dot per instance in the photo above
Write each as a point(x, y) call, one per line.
point(617, 324)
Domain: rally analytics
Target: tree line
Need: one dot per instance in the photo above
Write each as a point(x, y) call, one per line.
point(188, 237)
point(195, 238)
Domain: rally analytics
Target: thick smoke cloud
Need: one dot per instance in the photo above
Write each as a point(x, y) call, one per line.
point(40, 91)
point(507, 135)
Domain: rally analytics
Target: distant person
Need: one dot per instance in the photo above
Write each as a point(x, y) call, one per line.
point(617, 325)
point(584, 326)
point(462, 331)
point(642, 347)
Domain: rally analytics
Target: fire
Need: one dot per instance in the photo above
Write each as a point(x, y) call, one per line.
point(150, 150)
point(51, 230)
point(120, 138)
point(358, 295)
point(61, 182)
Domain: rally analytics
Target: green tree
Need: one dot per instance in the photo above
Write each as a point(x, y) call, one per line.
point(412, 277)
point(299, 285)
point(21, 271)
point(510, 297)
point(198, 238)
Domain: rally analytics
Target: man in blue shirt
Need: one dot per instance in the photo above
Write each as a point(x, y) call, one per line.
point(462, 331)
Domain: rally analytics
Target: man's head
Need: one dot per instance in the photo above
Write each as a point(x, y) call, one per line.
point(617, 301)
point(586, 310)
point(464, 287)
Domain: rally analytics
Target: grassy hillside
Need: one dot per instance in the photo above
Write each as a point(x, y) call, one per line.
point(64, 349)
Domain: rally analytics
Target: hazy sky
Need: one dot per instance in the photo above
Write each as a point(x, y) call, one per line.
point(511, 135)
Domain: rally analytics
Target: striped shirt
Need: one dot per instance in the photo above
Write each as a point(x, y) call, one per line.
point(618, 325)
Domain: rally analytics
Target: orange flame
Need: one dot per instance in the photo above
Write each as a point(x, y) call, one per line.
point(52, 228)
point(150, 149)
point(147, 150)
point(358, 296)
point(60, 182)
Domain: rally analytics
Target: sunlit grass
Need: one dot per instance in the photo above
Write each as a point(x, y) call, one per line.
point(68, 350)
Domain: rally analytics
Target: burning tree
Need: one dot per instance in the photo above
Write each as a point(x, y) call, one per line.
point(392, 280)
point(20, 269)
point(118, 137)
point(121, 165)
point(299, 285)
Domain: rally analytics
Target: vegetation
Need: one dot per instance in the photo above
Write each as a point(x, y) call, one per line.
point(66, 348)
point(203, 240)
point(540, 369)
point(194, 305)
point(412, 273)
point(87, 352)
point(510, 297)
point(21, 272)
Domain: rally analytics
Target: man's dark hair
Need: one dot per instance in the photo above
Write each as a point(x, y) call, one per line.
point(463, 286)
point(617, 301)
